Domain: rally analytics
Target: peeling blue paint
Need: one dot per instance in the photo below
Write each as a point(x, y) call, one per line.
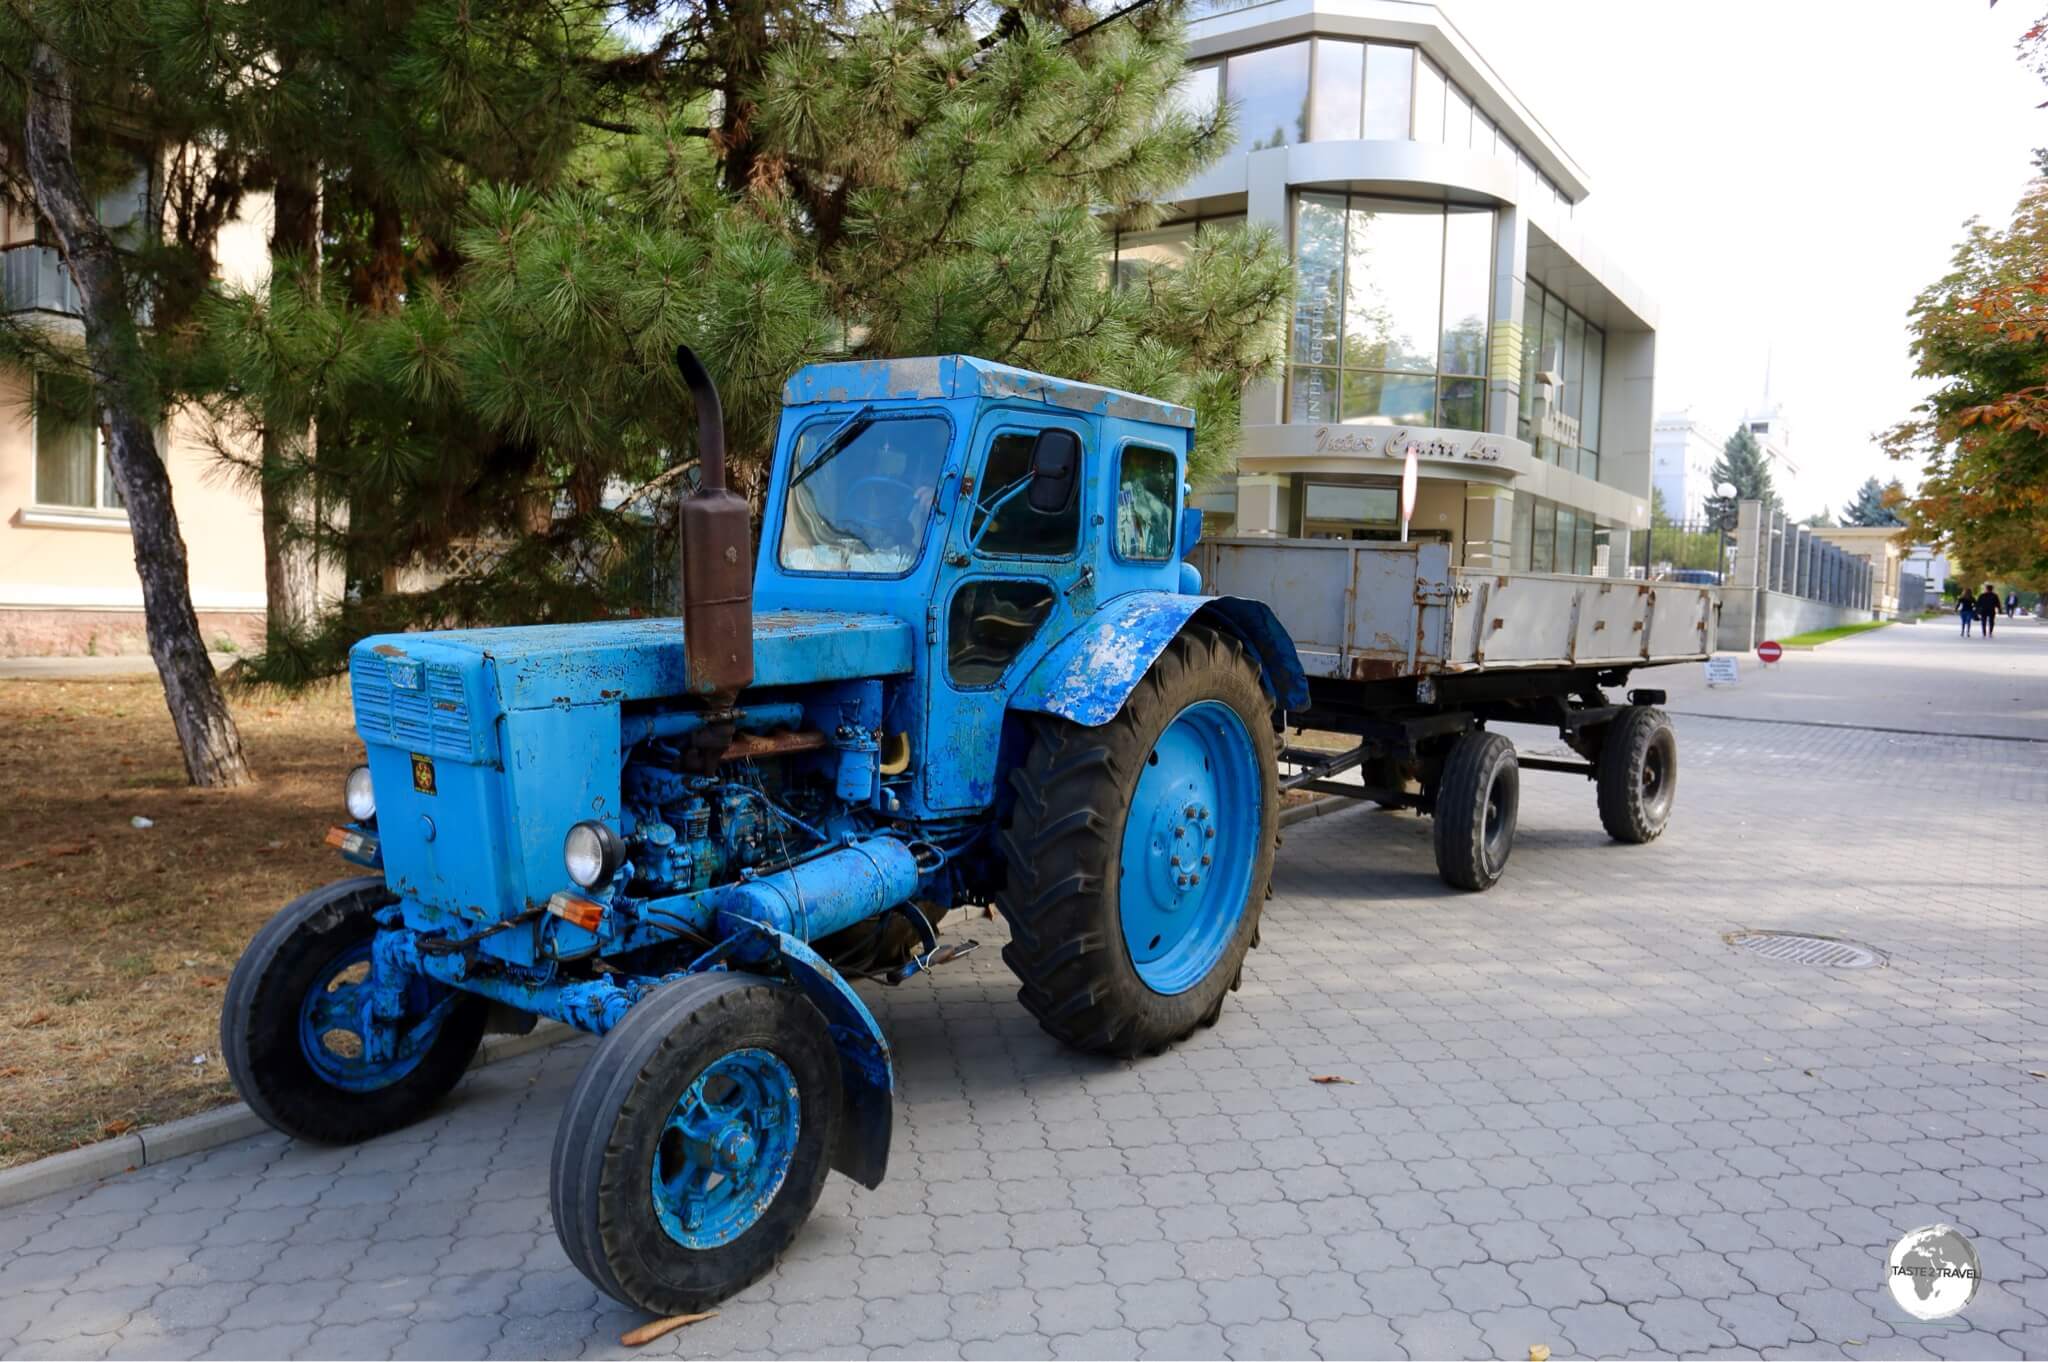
point(938, 377)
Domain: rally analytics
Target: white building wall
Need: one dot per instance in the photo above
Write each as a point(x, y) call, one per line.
point(1683, 467)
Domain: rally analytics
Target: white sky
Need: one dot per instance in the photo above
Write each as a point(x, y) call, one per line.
point(1782, 178)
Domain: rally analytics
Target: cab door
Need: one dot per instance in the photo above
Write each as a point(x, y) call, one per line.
point(1010, 583)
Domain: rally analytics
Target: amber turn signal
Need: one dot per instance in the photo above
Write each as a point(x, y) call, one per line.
point(585, 913)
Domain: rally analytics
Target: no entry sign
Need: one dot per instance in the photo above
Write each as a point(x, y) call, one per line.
point(1769, 651)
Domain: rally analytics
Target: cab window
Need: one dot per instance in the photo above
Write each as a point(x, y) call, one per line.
point(1018, 531)
point(1145, 501)
point(989, 623)
point(862, 502)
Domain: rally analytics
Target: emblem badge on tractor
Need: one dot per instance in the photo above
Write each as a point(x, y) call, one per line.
point(966, 666)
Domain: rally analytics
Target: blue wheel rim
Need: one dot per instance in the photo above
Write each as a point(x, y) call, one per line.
point(1190, 842)
point(726, 1149)
point(335, 1015)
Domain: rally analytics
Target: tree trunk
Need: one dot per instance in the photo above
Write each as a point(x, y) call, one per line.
point(291, 566)
point(206, 731)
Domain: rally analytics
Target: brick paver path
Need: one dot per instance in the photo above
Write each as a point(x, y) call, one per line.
point(1579, 1119)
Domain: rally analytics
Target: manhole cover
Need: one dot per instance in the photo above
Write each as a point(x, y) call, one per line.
point(1805, 948)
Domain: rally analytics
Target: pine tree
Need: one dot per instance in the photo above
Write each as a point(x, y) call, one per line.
point(927, 179)
point(1870, 505)
point(1743, 465)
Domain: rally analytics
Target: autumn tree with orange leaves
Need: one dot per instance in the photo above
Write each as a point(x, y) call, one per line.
point(1981, 334)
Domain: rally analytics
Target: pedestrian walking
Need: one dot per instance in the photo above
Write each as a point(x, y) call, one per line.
point(1987, 610)
point(1968, 610)
point(2012, 604)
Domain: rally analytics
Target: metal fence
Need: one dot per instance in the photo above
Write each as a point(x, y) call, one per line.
point(1681, 546)
point(1796, 561)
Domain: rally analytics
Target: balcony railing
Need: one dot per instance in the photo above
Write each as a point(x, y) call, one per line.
point(33, 279)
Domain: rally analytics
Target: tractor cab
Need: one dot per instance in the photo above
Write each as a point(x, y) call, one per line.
point(991, 509)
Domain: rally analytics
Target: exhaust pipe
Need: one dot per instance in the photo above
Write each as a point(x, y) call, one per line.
point(717, 570)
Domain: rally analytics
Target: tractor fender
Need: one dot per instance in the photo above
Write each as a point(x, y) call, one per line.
point(1088, 674)
point(867, 1076)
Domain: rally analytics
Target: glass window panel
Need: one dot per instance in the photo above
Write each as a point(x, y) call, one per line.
point(1532, 343)
point(1339, 96)
point(1198, 90)
point(1312, 395)
point(1483, 135)
point(1270, 89)
point(1457, 118)
point(1543, 537)
point(1140, 253)
point(1227, 223)
point(1589, 409)
point(1319, 277)
point(1468, 285)
point(1018, 529)
point(989, 623)
point(1589, 463)
point(1429, 101)
point(67, 445)
point(1552, 359)
point(1564, 555)
point(1328, 501)
point(1524, 523)
point(1145, 500)
point(1461, 403)
point(863, 508)
point(1389, 91)
point(1391, 296)
point(1389, 399)
point(1574, 365)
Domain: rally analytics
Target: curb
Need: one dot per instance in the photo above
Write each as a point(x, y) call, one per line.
point(224, 1125)
point(196, 1134)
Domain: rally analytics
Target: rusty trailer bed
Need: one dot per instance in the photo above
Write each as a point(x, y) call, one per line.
point(1373, 611)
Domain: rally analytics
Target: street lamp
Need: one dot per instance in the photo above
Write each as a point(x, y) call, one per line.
point(1726, 491)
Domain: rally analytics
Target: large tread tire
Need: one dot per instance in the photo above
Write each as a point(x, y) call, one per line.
point(259, 1024)
point(599, 1176)
point(1063, 841)
point(1638, 775)
point(1476, 810)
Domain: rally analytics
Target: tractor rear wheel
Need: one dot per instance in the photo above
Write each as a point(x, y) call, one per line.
point(695, 1142)
point(1138, 853)
point(295, 1025)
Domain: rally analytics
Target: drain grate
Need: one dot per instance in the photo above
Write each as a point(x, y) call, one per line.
point(1806, 948)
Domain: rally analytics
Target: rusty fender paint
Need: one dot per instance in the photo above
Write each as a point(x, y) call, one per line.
point(1087, 677)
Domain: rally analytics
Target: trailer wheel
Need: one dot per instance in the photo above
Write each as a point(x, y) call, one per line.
point(1139, 852)
point(1476, 807)
point(695, 1142)
point(294, 1021)
point(1637, 774)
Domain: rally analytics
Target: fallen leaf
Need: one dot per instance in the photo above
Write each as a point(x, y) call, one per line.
point(647, 1333)
point(2037, 1073)
point(49, 854)
point(1539, 1352)
point(37, 1019)
point(208, 981)
point(117, 1127)
point(1332, 1078)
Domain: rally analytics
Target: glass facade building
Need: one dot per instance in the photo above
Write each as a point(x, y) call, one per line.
point(1447, 301)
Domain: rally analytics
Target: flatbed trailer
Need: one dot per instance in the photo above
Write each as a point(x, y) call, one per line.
point(1413, 658)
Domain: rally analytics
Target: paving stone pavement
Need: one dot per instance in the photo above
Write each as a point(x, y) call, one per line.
point(1578, 1118)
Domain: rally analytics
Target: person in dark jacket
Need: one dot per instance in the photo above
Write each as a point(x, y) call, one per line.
point(1967, 609)
point(2012, 604)
point(1987, 610)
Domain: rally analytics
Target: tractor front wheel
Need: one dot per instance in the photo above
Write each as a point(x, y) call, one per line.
point(1138, 853)
point(302, 1042)
point(695, 1142)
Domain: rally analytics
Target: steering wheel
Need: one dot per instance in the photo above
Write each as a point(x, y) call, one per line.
point(898, 496)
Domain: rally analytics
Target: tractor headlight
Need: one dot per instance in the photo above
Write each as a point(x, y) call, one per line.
point(592, 854)
point(359, 796)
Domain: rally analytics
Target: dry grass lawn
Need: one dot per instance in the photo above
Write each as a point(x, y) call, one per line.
point(119, 939)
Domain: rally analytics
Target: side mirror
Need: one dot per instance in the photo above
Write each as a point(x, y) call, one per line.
point(1055, 468)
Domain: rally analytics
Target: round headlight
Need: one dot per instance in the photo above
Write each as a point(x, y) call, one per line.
point(592, 854)
point(357, 794)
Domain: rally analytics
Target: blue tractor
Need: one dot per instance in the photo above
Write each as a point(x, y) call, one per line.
point(969, 666)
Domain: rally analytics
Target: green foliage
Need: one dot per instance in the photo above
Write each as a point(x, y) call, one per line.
point(1660, 514)
point(1872, 504)
point(1743, 465)
point(484, 350)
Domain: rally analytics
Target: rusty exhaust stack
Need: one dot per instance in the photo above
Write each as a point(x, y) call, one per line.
point(717, 570)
